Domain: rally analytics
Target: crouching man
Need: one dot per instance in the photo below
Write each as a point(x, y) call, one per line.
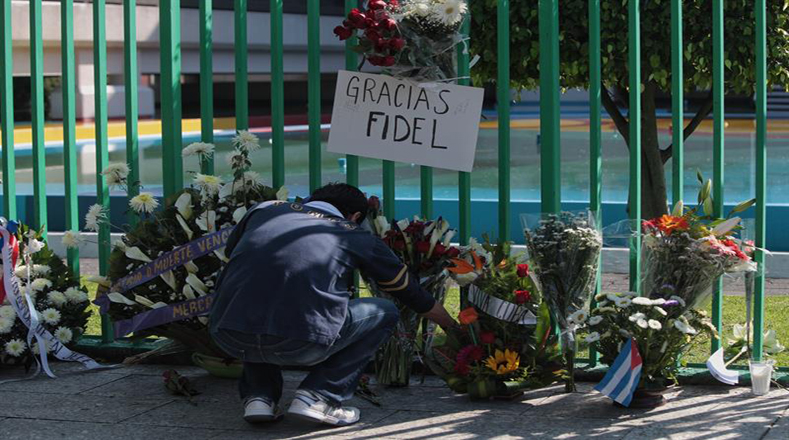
point(284, 299)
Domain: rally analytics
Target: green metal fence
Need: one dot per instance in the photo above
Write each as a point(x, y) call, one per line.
point(550, 129)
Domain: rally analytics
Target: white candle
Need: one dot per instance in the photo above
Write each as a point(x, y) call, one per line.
point(761, 373)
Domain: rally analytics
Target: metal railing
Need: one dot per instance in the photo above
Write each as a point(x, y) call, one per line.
point(550, 118)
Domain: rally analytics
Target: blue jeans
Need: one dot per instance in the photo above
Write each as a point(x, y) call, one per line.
point(335, 370)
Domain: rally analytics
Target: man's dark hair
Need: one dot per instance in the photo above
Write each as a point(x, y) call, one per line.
point(348, 199)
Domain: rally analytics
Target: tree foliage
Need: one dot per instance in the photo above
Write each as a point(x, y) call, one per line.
point(739, 42)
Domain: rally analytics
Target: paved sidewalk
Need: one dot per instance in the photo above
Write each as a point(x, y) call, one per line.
point(132, 403)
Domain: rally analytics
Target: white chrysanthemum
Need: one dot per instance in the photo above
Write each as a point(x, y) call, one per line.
point(71, 239)
point(51, 316)
point(144, 202)
point(208, 183)
point(251, 179)
point(236, 160)
point(593, 337)
point(47, 347)
point(64, 335)
point(21, 271)
point(95, 216)
point(116, 174)
point(58, 299)
point(6, 324)
point(41, 269)
point(642, 301)
point(200, 149)
point(636, 316)
point(623, 303)
point(15, 347)
point(75, 295)
point(579, 317)
point(594, 320)
point(449, 12)
point(654, 325)
point(246, 141)
point(684, 328)
point(7, 312)
point(40, 284)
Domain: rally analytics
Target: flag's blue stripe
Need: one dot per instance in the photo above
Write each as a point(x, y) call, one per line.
point(621, 385)
point(623, 355)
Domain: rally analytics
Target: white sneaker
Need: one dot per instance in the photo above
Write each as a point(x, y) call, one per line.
point(258, 410)
point(309, 406)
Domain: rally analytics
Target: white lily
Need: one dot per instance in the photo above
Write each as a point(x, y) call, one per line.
point(282, 193)
point(207, 221)
point(220, 253)
point(226, 190)
point(726, 226)
point(197, 284)
point(184, 226)
point(381, 225)
point(120, 299)
point(239, 213)
point(188, 292)
point(402, 224)
point(678, 208)
point(136, 254)
point(448, 237)
point(184, 205)
point(191, 267)
point(169, 278)
point(99, 280)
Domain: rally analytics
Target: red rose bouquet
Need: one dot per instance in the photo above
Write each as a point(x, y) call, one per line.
point(413, 39)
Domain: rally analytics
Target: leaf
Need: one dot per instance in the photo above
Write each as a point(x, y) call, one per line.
point(699, 177)
point(743, 206)
point(708, 208)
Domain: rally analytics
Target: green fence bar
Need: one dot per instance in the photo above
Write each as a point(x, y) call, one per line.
point(351, 60)
point(242, 77)
point(503, 106)
point(595, 136)
point(426, 191)
point(464, 179)
point(634, 65)
point(314, 90)
point(102, 155)
point(550, 118)
point(389, 188)
point(69, 129)
point(717, 149)
point(170, 50)
point(206, 81)
point(7, 112)
point(130, 83)
point(277, 97)
point(37, 114)
point(761, 173)
point(677, 103)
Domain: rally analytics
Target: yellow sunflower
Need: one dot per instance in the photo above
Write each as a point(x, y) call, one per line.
point(503, 363)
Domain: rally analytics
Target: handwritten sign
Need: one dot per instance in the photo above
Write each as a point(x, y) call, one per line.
point(379, 116)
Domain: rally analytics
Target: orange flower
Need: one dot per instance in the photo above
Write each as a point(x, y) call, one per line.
point(468, 316)
point(669, 223)
point(461, 266)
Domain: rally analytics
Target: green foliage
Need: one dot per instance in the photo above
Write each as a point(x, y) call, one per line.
point(739, 41)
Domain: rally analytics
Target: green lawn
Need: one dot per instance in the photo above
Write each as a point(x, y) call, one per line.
point(776, 317)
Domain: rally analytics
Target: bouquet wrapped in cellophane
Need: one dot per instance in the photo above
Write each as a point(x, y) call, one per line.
point(423, 246)
point(685, 252)
point(411, 39)
point(505, 344)
point(565, 251)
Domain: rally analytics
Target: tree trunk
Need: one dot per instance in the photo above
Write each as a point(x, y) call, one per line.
point(654, 202)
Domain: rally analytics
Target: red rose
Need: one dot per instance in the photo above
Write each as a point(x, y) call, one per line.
point(523, 270)
point(396, 43)
point(453, 252)
point(376, 61)
point(440, 249)
point(522, 296)
point(372, 35)
point(376, 4)
point(358, 19)
point(487, 337)
point(414, 227)
point(388, 61)
point(389, 24)
point(470, 353)
point(381, 45)
point(462, 368)
point(398, 244)
point(423, 246)
point(343, 32)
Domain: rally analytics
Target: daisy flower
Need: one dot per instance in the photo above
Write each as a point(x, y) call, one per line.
point(579, 317)
point(71, 239)
point(51, 316)
point(64, 335)
point(208, 183)
point(94, 217)
point(75, 295)
point(251, 179)
point(6, 325)
point(200, 149)
point(58, 299)
point(594, 320)
point(449, 12)
point(116, 174)
point(246, 141)
point(654, 325)
point(40, 284)
point(15, 347)
point(144, 202)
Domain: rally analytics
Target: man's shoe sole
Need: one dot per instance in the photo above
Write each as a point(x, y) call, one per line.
point(262, 418)
point(318, 417)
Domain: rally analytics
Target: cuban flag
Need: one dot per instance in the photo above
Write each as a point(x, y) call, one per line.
point(622, 378)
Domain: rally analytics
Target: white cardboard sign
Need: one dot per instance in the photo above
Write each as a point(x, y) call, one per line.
point(433, 124)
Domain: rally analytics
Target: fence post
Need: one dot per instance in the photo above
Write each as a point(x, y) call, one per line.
point(69, 127)
point(677, 103)
point(314, 90)
point(595, 139)
point(503, 104)
point(130, 84)
point(351, 60)
point(464, 179)
point(242, 77)
point(550, 116)
point(717, 149)
point(206, 82)
point(170, 47)
point(277, 97)
point(7, 112)
point(761, 174)
point(37, 115)
point(634, 66)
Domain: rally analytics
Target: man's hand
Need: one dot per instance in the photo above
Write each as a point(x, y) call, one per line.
point(440, 316)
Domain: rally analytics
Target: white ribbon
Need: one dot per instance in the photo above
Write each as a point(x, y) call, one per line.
point(27, 313)
point(500, 309)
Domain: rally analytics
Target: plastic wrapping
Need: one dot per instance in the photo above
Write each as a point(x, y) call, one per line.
point(565, 250)
point(425, 58)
